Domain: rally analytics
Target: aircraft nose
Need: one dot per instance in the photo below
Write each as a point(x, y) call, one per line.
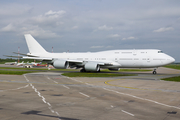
point(171, 59)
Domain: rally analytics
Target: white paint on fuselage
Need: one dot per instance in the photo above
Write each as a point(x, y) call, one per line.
point(140, 58)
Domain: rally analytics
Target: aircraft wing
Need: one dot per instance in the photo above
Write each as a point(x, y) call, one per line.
point(104, 63)
point(38, 58)
point(109, 63)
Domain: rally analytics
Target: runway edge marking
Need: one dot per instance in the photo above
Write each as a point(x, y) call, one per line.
point(83, 94)
point(132, 95)
point(127, 113)
point(16, 88)
point(52, 80)
point(142, 98)
point(66, 87)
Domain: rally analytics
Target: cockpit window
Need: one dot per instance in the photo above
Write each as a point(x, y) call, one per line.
point(160, 51)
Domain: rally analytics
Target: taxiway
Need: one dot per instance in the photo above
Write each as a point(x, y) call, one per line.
point(51, 96)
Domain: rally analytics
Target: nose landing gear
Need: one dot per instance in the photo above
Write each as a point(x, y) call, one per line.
point(154, 71)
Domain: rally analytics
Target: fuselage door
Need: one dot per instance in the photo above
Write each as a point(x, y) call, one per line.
point(116, 56)
point(148, 59)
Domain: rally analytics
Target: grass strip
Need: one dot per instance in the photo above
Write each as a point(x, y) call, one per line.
point(20, 68)
point(175, 79)
point(173, 66)
point(86, 74)
point(14, 72)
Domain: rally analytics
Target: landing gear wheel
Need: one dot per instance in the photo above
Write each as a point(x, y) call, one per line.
point(83, 70)
point(154, 72)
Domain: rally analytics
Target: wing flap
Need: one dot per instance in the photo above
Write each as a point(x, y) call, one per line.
point(75, 61)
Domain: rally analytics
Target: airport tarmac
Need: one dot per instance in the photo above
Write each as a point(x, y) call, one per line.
point(51, 96)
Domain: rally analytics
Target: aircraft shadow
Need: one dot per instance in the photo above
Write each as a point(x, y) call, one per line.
point(34, 112)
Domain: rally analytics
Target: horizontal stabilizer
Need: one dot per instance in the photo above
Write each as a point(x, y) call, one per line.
point(25, 54)
point(12, 56)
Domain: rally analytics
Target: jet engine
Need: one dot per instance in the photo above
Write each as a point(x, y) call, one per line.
point(94, 67)
point(61, 64)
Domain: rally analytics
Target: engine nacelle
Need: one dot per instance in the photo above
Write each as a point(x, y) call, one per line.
point(114, 69)
point(61, 64)
point(94, 67)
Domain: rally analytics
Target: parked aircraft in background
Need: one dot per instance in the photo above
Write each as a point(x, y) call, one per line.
point(33, 63)
point(93, 61)
point(20, 64)
point(10, 63)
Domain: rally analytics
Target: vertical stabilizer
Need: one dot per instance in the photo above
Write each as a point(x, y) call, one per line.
point(33, 45)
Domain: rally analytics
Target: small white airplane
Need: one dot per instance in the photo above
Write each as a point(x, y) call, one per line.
point(33, 63)
point(93, 61)
point(10, 63)
point(20, 64)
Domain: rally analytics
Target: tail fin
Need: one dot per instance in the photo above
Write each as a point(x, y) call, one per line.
point(33, 45)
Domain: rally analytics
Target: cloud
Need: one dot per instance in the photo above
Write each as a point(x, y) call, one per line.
point(164, 29)
point(114, 36)
point(8, 28)
point(109, 47)
point(14, 9)
point(104, 27)
point(91, 22)
point(129, 38)
point(96, 47)
point(51, 18)
point(39, 32)
point(75, 27)
point(54, 13)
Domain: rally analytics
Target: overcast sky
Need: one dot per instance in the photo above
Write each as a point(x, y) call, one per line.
point(91, 25)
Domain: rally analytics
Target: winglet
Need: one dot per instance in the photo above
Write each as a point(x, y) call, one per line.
point(33, 45)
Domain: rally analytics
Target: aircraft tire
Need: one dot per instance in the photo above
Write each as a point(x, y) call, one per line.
point(83, 70)
point(154, 72)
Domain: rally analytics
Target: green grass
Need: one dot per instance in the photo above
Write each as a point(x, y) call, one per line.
point(11, 70)
point(14, 72)
point(173, 66)
point(20, 68)
point(14, 68)
point(175, 79)
point(91, 74)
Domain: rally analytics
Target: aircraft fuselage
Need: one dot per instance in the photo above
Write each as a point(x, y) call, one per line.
point(140, 58)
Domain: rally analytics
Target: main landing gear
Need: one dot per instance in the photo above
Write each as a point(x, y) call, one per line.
point(82, 70)
point(154, 71)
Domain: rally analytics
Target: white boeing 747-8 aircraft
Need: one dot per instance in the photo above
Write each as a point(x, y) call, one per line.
point(93, 61)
